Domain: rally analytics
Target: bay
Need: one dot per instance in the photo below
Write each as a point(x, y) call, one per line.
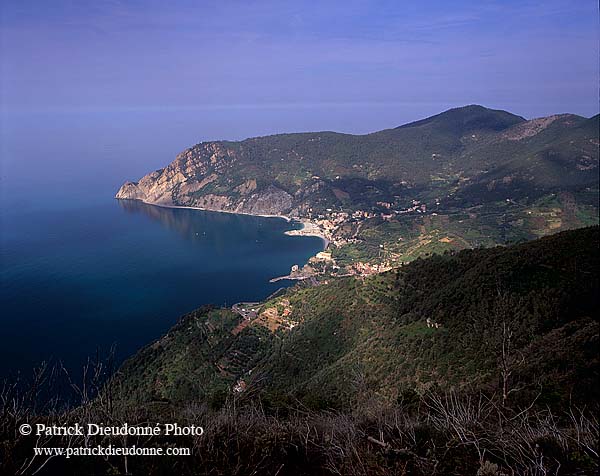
point(120, 273)
point(81, 271)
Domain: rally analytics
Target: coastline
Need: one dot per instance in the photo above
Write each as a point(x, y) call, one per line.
point(162, 205)
point(309, 228)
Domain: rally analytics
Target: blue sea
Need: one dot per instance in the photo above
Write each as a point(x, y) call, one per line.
point(81, 272)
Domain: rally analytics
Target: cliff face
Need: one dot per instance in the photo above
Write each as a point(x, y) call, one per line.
point(204, 177)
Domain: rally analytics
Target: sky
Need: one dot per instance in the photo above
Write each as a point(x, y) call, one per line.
point(278, 66)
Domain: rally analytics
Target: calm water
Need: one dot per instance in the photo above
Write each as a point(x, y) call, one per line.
point(80, 271)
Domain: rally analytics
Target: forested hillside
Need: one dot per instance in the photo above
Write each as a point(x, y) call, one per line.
point(438, 323)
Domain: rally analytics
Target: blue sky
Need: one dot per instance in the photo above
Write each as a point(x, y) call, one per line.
point(346, 65)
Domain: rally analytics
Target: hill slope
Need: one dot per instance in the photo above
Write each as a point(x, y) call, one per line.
point(435, 323)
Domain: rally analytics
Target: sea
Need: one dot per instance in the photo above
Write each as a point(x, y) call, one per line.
point(82, 273)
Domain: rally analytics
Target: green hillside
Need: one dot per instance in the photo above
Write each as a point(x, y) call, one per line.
point(544, 292)
point(394, 154)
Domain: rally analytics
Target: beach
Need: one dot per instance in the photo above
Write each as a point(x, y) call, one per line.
point(309, 229)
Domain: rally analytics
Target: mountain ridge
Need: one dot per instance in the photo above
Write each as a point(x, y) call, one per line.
point(472, 117)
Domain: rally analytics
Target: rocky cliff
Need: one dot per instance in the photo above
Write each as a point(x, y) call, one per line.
point(203, 177)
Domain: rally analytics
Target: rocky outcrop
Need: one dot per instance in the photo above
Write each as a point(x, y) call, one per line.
point(203, 177)
point(156, 187)
point(130, 190)
point(270, 201)
point(533, 127)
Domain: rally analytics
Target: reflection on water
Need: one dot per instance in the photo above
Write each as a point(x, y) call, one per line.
point(216, 227)
point(78, 279)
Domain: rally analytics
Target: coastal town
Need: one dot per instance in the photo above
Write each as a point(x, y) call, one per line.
point(340, 228)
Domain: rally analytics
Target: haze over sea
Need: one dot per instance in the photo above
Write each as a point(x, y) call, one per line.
point(81, 271)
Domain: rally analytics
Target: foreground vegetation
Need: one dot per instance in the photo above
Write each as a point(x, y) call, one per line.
point(434, 434)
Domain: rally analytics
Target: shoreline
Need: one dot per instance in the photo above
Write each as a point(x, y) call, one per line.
point(287, 278)
point(162, 205)
point(308, 227)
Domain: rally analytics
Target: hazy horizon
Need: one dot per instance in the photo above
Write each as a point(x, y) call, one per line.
point(264, 67)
